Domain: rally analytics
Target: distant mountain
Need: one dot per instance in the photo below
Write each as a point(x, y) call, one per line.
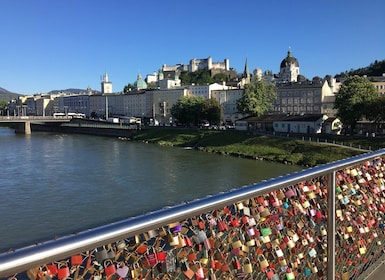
point(6, 95)
point(72, 90)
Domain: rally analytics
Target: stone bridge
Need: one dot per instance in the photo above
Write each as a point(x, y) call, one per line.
point(22, 124)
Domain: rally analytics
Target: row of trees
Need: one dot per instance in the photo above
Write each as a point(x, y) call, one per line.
point(202, 77)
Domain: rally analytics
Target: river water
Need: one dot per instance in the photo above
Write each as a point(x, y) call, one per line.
point(56, 184)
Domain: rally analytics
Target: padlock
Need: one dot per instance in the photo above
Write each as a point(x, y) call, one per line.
point(263, 263)
point(247, 266)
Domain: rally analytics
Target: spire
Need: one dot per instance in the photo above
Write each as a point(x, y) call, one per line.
point(289, 54)
point(246, 72)
point(105, 77)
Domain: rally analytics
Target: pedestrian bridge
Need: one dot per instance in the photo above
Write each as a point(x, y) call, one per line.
point(325, 222)
point(23, 123)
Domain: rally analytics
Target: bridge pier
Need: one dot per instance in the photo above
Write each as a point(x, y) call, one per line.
point(23, 128)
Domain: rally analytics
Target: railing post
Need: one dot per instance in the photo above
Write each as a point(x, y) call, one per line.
point(331, 225)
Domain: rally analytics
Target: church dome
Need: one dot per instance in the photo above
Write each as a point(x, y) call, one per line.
point(139, 83)
point(289, 60)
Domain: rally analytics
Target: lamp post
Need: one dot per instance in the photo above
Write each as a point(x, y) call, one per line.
point(106, 107)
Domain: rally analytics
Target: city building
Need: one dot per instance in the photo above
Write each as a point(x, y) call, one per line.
point(106, 84)
point(169, 82)
point(228, 98)
point(205, 90)
point(208, 64)
point(169, 71)
point(289, 68)
point(132, 104)
point(378, 82)
point(297, 124)
point(302, 97)
point(309, 97)
point(163, 100)
point(152, 78)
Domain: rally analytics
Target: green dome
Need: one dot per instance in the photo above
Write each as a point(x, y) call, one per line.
point(139, 83)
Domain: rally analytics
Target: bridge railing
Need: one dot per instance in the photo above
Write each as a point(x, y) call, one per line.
point(325, 222)
point(33, 118)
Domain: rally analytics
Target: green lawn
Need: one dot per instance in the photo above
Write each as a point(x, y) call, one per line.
point(238, 143)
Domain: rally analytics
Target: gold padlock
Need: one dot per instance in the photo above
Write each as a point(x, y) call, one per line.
point(247, 267)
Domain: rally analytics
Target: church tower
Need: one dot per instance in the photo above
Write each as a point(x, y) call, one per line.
point(246, 72)
point(289, 68)
point(106, 84)
point(246, 77)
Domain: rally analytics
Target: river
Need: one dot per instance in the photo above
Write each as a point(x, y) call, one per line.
point(55, 184)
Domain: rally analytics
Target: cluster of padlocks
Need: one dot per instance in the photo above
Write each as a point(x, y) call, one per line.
point(279, 235)
point(360, 223)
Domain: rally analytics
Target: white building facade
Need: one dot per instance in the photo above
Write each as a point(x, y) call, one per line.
point(228, 98)
point(205, 90)
point(305, 98)
point(163, 100)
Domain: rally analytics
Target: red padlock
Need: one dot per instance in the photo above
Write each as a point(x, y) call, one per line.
point(63, 270)
point(236, 263)
point(52, 268)
point(161, 256)
point(76, 260)
point(109, 267)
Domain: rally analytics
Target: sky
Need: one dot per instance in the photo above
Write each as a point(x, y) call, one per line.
point(58, 44)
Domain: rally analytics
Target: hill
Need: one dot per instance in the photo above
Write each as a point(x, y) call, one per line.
point(68, 90)
point(377, 68)
point(6, 95)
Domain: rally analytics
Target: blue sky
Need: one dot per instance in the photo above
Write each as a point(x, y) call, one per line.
point(59, 44)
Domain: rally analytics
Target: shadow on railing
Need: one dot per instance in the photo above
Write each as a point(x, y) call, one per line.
point(275, 229)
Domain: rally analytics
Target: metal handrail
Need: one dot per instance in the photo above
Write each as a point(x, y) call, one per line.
point(50, 251)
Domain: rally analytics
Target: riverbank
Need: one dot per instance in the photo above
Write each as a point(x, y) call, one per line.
point(241, 144)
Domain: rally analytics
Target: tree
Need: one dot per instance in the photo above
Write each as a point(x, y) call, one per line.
point(192, 110)
point(188, 110)
point(128, 88)
point(374, 110)
point(211, 111)
point(151, 85)
point(220, 77)
point(352, 99)
point(257, 98)
point(3, 105)
point(199, 77)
